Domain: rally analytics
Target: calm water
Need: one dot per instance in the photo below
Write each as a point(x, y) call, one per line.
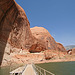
point(60, 68)
point(6, 70)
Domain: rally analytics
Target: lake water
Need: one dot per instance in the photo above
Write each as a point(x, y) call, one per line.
point(60, 68)
point(6, 70)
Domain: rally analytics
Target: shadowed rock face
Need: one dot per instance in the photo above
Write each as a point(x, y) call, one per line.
point(14, 27)
point(37, 48)
point(5, 5)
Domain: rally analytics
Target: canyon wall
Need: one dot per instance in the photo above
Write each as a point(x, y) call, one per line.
point(15, 32)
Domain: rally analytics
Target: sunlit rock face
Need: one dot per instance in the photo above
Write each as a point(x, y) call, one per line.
point(43, 34)
point(60, 47)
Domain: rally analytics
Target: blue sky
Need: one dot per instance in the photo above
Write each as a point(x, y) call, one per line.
point(57, 16)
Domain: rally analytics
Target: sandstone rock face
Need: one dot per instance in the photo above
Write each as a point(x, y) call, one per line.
point(43, 35)
point(61, 47)
point(15, 32)
point(14, 27)
point(37, 48)
point(73, 51)
point(49, 54)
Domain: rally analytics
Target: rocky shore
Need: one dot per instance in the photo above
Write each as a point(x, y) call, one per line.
point(27, 57)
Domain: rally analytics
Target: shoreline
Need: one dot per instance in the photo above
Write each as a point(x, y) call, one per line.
point(54, 61)
point(36, 59)
point(42, 62)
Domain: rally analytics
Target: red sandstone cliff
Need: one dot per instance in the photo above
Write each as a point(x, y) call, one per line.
point(42, 34)
point(15, 31)
point(14, 25)
point(14, 28)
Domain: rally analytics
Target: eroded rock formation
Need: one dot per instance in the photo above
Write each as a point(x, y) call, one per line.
point(37, 48)
point(15, 32)
point(14, 27)
point(60, 47)
point(43, 35)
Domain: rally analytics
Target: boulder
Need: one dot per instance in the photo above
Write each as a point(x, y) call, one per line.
point(71, 51)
